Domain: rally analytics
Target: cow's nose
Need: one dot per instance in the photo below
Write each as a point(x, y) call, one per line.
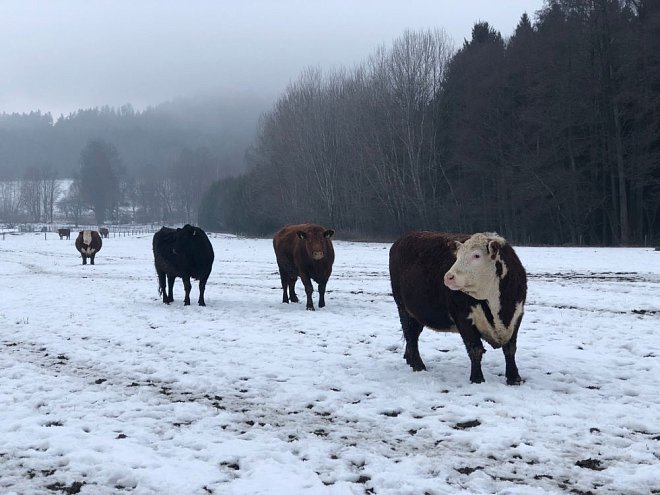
point(449, 277)
point(317, 255)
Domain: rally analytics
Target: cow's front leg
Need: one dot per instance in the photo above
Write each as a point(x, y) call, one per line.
point(91, 259)
point(186, 288)
point(509, 349)
point(322, 293)
point(475, 350)
point(84, 258)
point(309, 290)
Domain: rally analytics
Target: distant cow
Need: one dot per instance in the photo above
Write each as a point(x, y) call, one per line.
point(475, 285)
point(64, 233)
point(104, 232)
point(185, 253)
point(304, 251)
point(88, 243)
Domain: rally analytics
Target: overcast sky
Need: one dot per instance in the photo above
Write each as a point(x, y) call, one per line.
point(61, 55)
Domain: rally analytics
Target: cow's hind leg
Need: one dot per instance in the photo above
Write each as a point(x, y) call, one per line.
point(292, 289)
point(202, 288)
point(411, 331)
point(170, 288)
point(290, 277)
point(161, 286)
point(186, 288)
point(284, 279)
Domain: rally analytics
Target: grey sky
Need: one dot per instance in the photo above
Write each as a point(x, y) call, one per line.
point(61, 55)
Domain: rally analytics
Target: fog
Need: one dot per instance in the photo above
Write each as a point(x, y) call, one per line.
point(59, 56)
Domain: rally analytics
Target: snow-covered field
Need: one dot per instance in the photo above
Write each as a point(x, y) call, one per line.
point(104, 389)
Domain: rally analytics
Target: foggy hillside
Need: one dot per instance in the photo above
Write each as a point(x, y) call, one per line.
point(156, 136)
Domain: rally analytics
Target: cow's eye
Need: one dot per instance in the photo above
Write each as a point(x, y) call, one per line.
point(476, 256)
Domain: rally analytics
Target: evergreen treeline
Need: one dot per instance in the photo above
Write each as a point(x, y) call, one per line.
point(551, 136)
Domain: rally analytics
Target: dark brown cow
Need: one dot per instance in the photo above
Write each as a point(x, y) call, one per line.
point(64, 233)
point(475, 285)
point(88, 243)
point(304, 251)
point(104, 232)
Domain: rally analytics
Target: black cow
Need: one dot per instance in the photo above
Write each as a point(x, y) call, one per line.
point(104, 232)
point(185, 253)
point(64, 233)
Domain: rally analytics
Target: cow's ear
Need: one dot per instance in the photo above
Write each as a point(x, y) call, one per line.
point(328, 233)
point(455, 246)
point(301, 234)
point(494, 248)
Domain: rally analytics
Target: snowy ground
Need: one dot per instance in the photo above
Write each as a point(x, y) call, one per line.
point(104, 389)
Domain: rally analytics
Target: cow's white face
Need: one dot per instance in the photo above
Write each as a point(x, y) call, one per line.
point(478, 267)
point(87, 237)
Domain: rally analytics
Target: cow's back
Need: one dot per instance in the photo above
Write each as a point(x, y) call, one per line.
point(163, 248)
point(285, 241)
point(175, 255)
point(418, 263)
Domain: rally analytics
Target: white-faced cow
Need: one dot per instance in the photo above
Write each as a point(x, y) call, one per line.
point(88, 243)
point(304, 251)
point(185, 252)
point(474, 284)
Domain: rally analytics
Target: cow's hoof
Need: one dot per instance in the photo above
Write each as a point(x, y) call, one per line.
point(514, 381)
point(295, 299)
point(310, 308)
point(321, 305)
point(416, 365)
point(202, 303)
point(186, 303)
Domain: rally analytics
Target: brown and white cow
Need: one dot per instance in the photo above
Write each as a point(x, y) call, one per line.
point(88, 243)
point(304, 251)
point(473, 284)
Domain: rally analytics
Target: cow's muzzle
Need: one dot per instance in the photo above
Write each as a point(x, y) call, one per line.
point(451, 282)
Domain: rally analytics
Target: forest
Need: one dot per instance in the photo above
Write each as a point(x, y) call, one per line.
point(549, 137)
point(123, 165)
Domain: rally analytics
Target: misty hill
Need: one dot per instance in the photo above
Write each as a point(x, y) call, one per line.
point(156, 136)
